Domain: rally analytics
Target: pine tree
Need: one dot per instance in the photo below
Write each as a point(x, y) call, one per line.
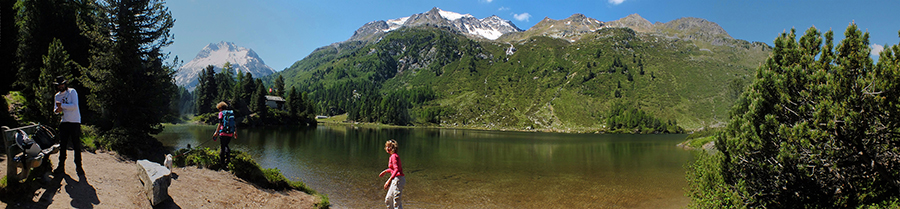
point(225, 82)
point(40, 22)
point(128, 78)
point(293, 102)
point(279, 86)
point(206, 90)
point(8, 45)
point(249, 88)
point(56, 63)
point(258, 104)
point(809, 133)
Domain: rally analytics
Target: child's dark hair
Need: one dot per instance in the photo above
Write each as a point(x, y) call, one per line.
point(391, 144)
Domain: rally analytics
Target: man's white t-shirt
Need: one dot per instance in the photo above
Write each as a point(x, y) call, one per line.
point(69, 100)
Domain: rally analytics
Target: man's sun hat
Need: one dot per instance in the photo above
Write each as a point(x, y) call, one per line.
point(60, 80)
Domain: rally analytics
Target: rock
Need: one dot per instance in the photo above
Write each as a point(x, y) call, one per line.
point(156, 180)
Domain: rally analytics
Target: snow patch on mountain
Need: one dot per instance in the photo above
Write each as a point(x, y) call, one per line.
point(395, 24)
point(453, 16)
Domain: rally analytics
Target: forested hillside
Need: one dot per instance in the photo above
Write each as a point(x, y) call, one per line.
point(431, 76)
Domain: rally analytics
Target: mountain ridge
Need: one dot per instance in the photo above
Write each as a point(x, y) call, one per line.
point(560, 74)
point(491, 27)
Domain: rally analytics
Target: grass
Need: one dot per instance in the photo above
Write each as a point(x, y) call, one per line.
point(89, 137)
point(334, 119)
point(3, 185)
point(697, 139)
point(698, 143)
point(244, 167)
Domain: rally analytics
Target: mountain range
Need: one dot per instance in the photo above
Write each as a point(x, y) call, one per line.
point(242, 59)
point(560, 75)
point(489, 28)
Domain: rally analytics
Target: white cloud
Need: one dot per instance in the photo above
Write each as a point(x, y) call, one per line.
point(488, 1)
point(876, 49)
point(522, 17)
point(503, 9)
point(616, 2)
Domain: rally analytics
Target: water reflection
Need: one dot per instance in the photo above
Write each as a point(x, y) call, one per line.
point(469, 168)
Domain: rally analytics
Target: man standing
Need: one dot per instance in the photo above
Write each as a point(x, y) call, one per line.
point(70, 126)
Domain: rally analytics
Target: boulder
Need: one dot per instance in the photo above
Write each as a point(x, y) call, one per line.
point(156, 179)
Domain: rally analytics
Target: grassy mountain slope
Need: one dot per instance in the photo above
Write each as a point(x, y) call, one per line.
point(547, 83)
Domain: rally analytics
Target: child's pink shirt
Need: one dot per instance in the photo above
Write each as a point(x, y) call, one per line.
point(394, 166)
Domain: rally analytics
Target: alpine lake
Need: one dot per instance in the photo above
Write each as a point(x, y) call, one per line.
point(455, 168)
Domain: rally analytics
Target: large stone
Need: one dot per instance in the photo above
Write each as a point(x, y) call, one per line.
point(156, 179)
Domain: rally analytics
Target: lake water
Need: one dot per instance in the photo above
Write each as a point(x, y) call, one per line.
point(449, 168)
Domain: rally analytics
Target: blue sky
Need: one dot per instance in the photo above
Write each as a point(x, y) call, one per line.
point(285, 31)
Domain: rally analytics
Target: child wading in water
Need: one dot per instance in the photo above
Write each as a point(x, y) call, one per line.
point(396, 181)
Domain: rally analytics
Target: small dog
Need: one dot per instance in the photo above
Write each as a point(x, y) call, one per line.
point(168, 162)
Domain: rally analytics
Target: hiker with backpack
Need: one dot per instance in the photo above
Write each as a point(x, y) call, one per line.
point(225, 131)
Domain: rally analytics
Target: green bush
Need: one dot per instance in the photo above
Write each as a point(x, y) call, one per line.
point(699, 142)
point(200, 157)
point(89, 137)
point(208, 118)
point(706, 185)
point(3, 185)
point(816, 129)
point(889, 203)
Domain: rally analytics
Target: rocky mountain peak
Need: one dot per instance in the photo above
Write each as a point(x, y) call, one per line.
point(489, 28)
point(576, 17)
point(242, 59)
point(633, 21)
point(696, 26)
point(689, 28)
point(566, 28)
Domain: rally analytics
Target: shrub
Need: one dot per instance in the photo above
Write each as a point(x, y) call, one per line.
point(706, 183)
point(200, 157)
point(3, 185)
point(207, 118)
point(89, 137)
point(816, 129)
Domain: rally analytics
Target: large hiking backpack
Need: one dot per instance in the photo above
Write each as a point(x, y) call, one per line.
point(44, 136)
point(228, 125)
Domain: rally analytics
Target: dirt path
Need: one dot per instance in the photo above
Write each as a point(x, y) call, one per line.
point(110, 182)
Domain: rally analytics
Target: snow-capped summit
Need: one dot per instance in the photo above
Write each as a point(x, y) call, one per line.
point(490, 27)
point(216, 54)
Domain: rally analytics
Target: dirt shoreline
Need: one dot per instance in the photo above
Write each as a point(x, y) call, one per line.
point(111, 182)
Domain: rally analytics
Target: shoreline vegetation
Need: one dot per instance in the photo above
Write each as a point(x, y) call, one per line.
point(701, 140)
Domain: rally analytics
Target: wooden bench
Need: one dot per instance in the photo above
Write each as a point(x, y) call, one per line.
point(18, 170)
